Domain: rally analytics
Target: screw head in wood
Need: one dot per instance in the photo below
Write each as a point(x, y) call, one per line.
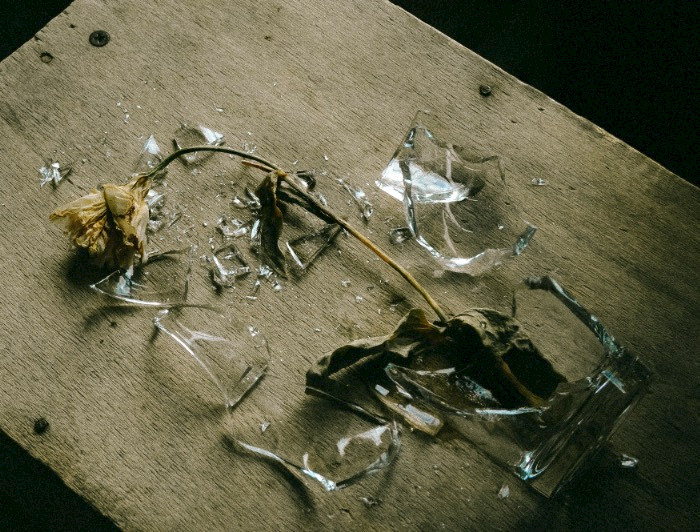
point(41, 425)
point(485, 90)
point(99, 38)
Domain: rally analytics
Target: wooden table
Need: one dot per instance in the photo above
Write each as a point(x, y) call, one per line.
point(139, 434)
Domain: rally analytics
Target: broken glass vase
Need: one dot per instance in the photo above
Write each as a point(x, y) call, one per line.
point(455, 201)
point(546, 445)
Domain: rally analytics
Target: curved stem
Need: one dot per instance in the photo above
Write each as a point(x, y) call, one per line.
point(372, 247)
point(268, 166)
point(221, 149)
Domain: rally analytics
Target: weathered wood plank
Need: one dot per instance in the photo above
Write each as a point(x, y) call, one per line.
point(136, 430)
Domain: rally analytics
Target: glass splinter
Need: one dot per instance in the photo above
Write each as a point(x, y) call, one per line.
point(161, 281)
point(229, 265)
point(231, 227)
point(628, 462)
point(54, 173)
point(149, 157)
point(187, 136)
point(235, 365)
point(399, 235)
point(306, 249)
point(360, 198)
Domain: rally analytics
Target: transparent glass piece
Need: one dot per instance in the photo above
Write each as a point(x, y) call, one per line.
point(456, 204)
point(538, 182)
point(360, 198)
point(187, 136)
point(342, 463)
point(504, 492)
point(370, 502)
point(228, 266)
point(400, 235)
point(306, 249)
point(54, 173)
point(162, 281)
point(628, 462)
point(232, 227)
point(150, 156)
point(233, 358)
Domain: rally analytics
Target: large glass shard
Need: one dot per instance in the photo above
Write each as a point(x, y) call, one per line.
point(187, 136)
point(54, 173)
point(306, 249)
point(456, 203)
point(334, 464)
point(234, 356)
point(161, 281)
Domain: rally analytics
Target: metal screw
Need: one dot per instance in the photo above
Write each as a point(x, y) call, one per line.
point(45, 57)
point(41, 425)
point(99, 38)
point(485, 90)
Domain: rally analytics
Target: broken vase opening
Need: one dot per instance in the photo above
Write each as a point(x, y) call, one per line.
point(481, 374)
point(456, 201)
point(233, 355)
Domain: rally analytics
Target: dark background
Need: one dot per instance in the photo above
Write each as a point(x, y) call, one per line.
point(629, 67)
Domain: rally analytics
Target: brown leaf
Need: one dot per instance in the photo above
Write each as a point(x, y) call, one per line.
point(271, 223)
point(483, 344)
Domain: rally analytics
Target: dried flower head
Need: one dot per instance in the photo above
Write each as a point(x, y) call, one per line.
point(110, 223)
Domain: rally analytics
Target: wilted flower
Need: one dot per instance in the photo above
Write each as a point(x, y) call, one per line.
point(110, 223)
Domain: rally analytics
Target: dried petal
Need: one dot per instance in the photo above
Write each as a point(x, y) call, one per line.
point(110, 223)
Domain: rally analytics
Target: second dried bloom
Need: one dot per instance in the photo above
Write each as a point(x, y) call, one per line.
point(110, 223)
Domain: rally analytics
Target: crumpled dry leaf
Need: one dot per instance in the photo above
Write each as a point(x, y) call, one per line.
point(484, 344)
point(271, 222)
point(110, 223)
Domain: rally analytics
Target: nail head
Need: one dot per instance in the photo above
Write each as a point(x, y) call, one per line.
point(99, 38)
point(485, 90)
point(41, 425)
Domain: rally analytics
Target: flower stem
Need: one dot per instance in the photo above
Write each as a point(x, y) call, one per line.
point(268, 166)
point(370, 245)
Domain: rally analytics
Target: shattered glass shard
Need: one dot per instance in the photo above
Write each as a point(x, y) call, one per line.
point(234, 363)
point(231, 227)
point(504, 492)
point(228, 265)
point(161, 281)
point(360, 198)
point(150, 156)
point(399, 235)
point(456, 204)
point(306, 249)
point(187, 136)
point(54, 173)
point(628, 462)
point(338, 466)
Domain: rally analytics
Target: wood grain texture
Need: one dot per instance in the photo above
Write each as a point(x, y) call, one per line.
point(135, 429)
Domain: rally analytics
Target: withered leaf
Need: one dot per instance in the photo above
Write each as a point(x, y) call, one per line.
point(271, 223)
point(484, 344)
